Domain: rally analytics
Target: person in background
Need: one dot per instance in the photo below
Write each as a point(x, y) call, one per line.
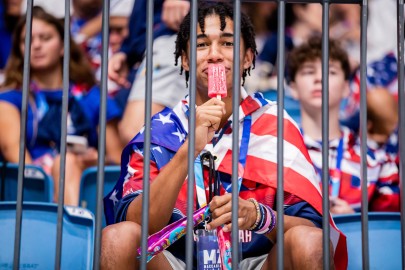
point(85, 23)
point(120, 11)
point(305, 71)
point(10, 12)
point(44, 108)
point(168, 86)
point(214, 128)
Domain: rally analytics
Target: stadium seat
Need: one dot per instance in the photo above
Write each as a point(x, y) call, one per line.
point(88, 186)
point(38, 236)
point(38, 186)
point(384, 239)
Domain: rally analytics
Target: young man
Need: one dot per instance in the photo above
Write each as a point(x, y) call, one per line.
point(305, 71)
point(168, 190)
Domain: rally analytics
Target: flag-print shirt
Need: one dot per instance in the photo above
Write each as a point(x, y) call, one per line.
point(344, 168)
point(169, 130)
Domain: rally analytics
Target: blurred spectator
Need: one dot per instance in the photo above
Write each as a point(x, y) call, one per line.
point(120, 11)
point(168, 85)
point(260, 13)
point(305, 71)
point(85, 26)
point(54, 7)
point(10, 11)
point(44, 109)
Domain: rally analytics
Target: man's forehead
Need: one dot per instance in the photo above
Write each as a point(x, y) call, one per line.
point(213, 21)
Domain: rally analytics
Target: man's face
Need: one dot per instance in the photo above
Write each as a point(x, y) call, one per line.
point(216, 47)
point(307, 85)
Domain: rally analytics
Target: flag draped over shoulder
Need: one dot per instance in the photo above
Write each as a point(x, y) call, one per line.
point(169, 130)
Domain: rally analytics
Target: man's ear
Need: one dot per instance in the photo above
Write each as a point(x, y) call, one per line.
point(184, 61)
point(293, 90)
point(248, 58)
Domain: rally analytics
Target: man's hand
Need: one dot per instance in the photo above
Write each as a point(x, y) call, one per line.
point(118, 69)
point(221, 208)
point(173, 13)
point(208, 120)
point(339, 206)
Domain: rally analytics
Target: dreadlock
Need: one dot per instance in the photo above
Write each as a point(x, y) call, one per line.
point(223, 10)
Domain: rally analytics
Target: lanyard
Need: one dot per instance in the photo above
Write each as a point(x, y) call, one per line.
point(199, 178)
point(335, 174)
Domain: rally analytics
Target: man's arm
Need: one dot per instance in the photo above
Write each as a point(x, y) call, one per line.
point(166, 186)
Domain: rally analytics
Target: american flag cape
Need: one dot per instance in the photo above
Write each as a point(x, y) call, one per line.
point(261, 161)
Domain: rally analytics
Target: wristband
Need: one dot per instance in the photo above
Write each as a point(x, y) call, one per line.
point(258, 214)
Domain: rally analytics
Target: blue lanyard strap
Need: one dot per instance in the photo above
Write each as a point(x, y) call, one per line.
point(336, 177)
point(199, 178)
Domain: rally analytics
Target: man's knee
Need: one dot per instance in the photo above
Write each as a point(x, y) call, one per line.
point(119, 243)
point(305, 245)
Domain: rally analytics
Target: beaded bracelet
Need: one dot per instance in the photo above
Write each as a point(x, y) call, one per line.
point(259, 215)
point(270, 223)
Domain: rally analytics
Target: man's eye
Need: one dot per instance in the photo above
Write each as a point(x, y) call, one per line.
point(202, 44)
point(228, 43)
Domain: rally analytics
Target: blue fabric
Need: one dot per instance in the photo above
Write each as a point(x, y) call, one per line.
point(43, 127)
point(5, 37)
point(269, 51)
point(134, 45)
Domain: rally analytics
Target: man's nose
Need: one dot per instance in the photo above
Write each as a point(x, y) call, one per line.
point(214, 54)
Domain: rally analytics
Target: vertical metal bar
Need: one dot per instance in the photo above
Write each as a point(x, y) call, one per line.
point(235, 132)
point(102, 132)
point(23, 135)
point(363, 136)
point(325, 134)
point(191, 134)
point(401, 112)
point(65, 100)
point(280, 133)
point(148, 112)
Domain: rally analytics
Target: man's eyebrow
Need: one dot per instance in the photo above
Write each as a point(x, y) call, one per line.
point(224, 34)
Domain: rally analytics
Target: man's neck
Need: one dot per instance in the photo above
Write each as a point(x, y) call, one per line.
point(311, 124)
point(48, 80)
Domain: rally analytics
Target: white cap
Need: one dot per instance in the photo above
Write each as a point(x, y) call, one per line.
point(121, 8)
point(54, 7)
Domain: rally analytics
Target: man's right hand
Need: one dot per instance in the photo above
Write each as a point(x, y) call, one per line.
point(208, 120)
point(118, 69)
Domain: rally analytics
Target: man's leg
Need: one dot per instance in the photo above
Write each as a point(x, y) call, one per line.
point(302, 250)
point(119, 246)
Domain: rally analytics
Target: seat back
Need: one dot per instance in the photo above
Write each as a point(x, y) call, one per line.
point(38, 186)
point(38, 236)
point(88, 186)
point(384, 239)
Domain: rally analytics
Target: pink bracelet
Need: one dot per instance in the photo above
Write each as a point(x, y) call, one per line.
point(270, 223)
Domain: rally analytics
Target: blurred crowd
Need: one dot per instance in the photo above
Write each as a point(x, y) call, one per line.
point(127, 76)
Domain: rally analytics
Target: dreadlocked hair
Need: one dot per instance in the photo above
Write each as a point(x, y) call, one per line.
point(223, 10)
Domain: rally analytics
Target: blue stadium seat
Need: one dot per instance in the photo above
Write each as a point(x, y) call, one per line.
point(38, 186)
point(38, 236)
point(384, 239)
point(88, 186)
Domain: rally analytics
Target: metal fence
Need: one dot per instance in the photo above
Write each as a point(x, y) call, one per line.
point(236, 81)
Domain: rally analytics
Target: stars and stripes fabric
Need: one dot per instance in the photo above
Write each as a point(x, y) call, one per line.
point(381, 73)
point(168, 133)
point(382, 172)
